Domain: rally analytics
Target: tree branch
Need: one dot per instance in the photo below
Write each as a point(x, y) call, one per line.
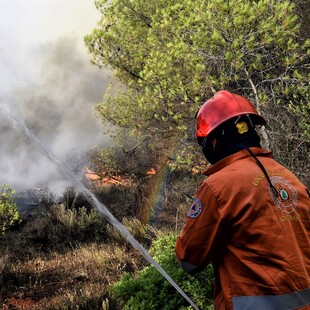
point(266, 140)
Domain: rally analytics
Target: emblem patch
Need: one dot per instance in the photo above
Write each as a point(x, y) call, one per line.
point(195, 209)
point(242, 127)
point(287, 197)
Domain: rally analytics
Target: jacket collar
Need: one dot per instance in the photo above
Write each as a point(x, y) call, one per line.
point(232, 158)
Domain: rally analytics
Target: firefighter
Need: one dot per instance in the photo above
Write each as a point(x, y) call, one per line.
point(250, 216)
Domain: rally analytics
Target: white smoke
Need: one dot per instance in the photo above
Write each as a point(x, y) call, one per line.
point(57, 104)
point(47, 79)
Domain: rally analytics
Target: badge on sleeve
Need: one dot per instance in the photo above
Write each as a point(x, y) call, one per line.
point(195, 209)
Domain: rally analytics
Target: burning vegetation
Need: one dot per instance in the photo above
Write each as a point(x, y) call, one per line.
point(104, 180)
point(69, 255)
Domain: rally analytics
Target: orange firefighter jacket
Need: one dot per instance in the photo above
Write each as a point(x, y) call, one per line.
point(258, 242)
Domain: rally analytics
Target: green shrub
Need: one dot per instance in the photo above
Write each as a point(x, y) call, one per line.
point(136, 228)
point(149, 290)
point(79, 225)
point(59, 228)
point(8, 211)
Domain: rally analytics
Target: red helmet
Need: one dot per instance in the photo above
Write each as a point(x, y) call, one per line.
point(222, 107)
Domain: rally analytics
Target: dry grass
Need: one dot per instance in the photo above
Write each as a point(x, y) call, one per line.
point(67, 258)
point(45, 265)
point(136, 228)
point(78, 278)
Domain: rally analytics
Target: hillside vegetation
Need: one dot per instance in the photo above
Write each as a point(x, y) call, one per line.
point(168, 57)
point(174, 55)
point(70, 257)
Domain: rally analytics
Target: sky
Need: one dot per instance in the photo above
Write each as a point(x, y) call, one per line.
point(47, 79)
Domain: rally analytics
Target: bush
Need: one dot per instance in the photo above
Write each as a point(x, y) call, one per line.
point(8, 211)
point(136, 228)
point(58, 229)
point(75, 200)
point(149, 290)
point(78, 225)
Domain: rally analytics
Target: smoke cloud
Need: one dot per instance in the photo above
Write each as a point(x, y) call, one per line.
point(57, 104)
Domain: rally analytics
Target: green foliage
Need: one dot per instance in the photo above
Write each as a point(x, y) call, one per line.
point(302, 96)
point(60, 227)
point(76, 224)
point(149, 290)
point(171, 55)
point(8, 212)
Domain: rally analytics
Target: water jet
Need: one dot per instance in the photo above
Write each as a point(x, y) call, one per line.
point(66, 172)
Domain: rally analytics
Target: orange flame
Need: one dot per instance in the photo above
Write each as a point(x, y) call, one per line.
point(151, 171)
point(106, 180)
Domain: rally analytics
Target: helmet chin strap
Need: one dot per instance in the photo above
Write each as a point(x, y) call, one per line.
point(264, 171)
